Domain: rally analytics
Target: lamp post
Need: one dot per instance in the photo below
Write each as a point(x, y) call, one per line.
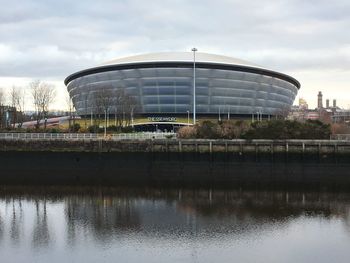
point(194, 84)
point(188, 118)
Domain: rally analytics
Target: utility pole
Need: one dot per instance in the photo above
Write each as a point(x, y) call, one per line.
point(194, 84)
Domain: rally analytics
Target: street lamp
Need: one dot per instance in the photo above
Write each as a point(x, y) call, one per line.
point(194, 84)
point(188, 118)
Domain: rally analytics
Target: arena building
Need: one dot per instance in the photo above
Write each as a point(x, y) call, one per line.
point(166, 85)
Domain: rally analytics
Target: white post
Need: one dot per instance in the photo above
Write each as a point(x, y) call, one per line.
point(194, 84)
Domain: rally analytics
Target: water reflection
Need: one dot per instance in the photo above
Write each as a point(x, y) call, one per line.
point(41, 232)
point(81, 223)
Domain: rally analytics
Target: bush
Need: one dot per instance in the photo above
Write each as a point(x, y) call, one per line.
point(286, 129)
point(113, 128)
point(274, 129)
point(233, 129)
point(127, 129)
point(187, 132)
point(208, 130)
point(76, 127)
point(54, 130)
point(95, 129)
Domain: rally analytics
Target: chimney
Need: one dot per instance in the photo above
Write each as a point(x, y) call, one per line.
point(327, 103)
point(334, 103)
point(319, 100)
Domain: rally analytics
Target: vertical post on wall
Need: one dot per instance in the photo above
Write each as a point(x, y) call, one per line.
point(107, 118)
point(105, 133)
point(194, 84)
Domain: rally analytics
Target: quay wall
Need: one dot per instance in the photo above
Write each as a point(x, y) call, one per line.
point(204, 163)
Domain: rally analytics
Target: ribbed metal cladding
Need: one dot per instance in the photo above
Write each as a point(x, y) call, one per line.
point(168, 90)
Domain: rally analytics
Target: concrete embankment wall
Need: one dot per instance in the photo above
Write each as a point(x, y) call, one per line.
point(265, 163)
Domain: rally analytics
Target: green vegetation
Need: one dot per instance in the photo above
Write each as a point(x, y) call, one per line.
point(274, 129)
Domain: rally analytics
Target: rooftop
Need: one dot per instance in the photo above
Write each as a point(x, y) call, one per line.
point(180, 57)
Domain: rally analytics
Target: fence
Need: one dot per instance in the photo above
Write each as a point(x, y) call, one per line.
point(345, 137)
point(87, 136)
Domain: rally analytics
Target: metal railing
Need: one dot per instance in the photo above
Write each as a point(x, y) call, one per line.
point(87, 136)
point(345, 137)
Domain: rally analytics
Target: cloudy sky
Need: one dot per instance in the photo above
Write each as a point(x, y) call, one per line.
point(49, 39)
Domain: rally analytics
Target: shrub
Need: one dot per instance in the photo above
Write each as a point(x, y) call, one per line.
point(127, 129)
point(76, 127)
point(94, 129)
point(187, 132)
point(207, 130)
point(286, 129)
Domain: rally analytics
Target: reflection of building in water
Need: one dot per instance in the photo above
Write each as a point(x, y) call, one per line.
point(168, 214)
point(195, 214)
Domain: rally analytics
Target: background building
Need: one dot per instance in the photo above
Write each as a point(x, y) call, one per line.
point(161, 85)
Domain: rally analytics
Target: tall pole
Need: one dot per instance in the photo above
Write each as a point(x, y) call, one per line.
point(188, 118)
point(194, 84)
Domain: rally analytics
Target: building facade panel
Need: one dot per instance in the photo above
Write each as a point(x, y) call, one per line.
point(169, 89)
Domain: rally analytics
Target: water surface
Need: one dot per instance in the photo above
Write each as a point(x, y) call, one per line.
point(154, 225)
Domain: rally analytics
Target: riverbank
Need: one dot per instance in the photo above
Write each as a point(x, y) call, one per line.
point(321, 147)
point(298, 164)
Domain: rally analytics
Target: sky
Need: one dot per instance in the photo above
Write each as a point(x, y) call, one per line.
point(50, 39)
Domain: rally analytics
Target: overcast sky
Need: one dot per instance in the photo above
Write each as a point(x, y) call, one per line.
point(50, 39)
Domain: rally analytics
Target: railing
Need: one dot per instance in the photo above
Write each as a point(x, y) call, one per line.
point(87, 136)
point(345, 137)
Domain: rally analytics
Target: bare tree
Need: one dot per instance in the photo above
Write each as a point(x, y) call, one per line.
point(104, 99)
point(86, 104)
point(43, 95)
point(17, 98)
point(2, 108)
point(2, 97)
point(283, 112)
point(125, 107)
point(70, 107)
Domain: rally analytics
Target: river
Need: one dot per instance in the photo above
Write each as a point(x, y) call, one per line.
point(88, 224)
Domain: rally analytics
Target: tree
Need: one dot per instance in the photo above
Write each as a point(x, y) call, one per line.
point(70, 107)
point(43, 95)
point(17, 98)
point(283, 112)
point(105, 100)
point(125, 107)
point(86, 105)
point(2, 108)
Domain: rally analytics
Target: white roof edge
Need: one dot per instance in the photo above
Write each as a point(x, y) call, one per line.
point(180, 57)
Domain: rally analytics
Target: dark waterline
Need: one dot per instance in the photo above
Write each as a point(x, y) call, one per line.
point(74, 224)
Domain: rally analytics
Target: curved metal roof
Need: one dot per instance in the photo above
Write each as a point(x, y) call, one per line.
point(180, 57)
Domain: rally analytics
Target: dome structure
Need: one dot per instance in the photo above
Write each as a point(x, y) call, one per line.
point(162, 85)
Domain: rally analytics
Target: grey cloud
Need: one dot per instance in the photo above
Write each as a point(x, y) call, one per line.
point(55, 38)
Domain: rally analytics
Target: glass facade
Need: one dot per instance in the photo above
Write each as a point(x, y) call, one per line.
point(169, 90)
